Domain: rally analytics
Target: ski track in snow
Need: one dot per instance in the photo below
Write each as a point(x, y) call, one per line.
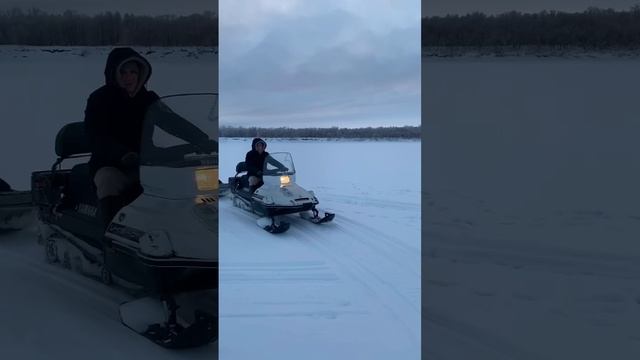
point(589, 294)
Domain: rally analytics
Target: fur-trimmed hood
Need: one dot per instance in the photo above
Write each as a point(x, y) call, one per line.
point(120, 56)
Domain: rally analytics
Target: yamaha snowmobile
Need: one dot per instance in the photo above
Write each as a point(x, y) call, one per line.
point(162, 244)
point(16, 208)
point(278, 196)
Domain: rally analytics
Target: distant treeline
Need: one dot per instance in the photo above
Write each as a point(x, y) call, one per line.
point(595, 28)
point(404, 132)
point(38, 28)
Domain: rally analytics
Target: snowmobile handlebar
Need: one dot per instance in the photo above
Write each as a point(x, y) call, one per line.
point(177, 153)
point(283, 171)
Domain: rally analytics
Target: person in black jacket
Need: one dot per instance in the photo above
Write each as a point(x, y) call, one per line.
point(114, 122)
point(255, 162)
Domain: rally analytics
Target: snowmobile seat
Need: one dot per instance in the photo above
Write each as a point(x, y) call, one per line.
point(72, 141)
point(241, 182)
point(241, 167)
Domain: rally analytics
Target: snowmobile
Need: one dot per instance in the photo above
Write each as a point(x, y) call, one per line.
point(277, 197)
point(162, 244)
point(16, 208)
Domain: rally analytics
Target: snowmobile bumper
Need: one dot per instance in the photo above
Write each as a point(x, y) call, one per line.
point(279, 210)
point(177, 276)
point(162, 275)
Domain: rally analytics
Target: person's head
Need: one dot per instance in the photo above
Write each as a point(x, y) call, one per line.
point(128, 77)
point(258, 145)
point(126, 69)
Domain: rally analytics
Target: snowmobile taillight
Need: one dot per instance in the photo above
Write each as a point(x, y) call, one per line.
point(207, 179)
point(285, 180)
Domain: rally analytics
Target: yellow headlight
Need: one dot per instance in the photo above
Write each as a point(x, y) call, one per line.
point(285, 180)
point(207, 179)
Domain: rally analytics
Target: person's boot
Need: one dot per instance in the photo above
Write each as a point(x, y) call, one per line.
point(108, 207)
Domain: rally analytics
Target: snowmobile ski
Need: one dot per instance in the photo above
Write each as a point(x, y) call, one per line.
point(272, 225)
point(158, 321)
point(316, 218)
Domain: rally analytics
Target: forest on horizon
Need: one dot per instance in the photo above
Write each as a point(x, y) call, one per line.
point(392, 132)
point(38, 28)
point(592, 29)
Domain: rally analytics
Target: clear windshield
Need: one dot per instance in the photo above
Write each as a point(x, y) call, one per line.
point(280, 163)
point(180, 131)
point(179, 151)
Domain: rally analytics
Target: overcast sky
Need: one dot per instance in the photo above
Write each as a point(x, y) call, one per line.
point(90, 7)
point(443, 7)
point(299, 63)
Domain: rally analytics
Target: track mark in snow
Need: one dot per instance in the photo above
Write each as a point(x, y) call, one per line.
point(611, 298)
point(277, 272)
point(493, 346)
point(442, 283)
point(348, 256)
point(523, 296)
point(538, 259)
point(483, 293)
point(371, 202)
point(372, 236)
point(326, 314)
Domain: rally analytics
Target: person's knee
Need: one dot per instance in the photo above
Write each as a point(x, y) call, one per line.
point(253, 180)
point(110, 181)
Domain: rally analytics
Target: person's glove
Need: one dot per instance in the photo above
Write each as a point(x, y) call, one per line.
point(130, 160)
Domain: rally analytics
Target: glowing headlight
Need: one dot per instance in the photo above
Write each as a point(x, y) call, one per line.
point(285, 180)
point(207, 179)
point(156, 243)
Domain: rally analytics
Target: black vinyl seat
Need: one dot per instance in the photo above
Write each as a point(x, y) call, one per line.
point(72, 142)
point(241, 182)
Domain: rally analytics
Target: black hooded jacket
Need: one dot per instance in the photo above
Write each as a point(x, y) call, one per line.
point(113, 119)
point(254, 160)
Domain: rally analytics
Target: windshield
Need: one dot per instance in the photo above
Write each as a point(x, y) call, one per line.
point(280, 163)
point(180, 131)
point(179, 151)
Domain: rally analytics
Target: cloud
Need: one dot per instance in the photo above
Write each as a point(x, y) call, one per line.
point(327, 64)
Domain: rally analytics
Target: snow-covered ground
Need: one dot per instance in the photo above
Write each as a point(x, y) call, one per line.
point(531, 208)
point(349, 289)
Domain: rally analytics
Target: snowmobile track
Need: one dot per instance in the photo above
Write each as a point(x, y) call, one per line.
point(363, 275)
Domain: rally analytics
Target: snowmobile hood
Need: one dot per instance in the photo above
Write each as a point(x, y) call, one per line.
point(256, 141)
point(121, 55)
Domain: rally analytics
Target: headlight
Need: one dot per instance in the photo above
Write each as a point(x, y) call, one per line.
point(207, 179)
point(285, 180)
point(156, 243)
